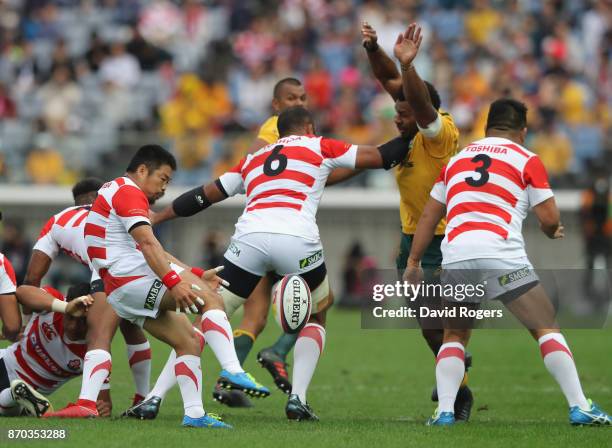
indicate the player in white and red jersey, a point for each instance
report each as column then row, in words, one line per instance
column 145, row 285
column 10, row 316
column 486, row 191
column 277, row 231
column 49, row 353
column 64, row 232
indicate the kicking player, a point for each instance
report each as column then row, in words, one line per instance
column 57, row 330
column 433, row 140
column 10, row 316
column 277, row 231
column 486, row 191
column 288, row 92
column 65, row 232
column 145, row 285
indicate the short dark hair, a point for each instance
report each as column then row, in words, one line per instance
column 86, row 186
column 153, row 157
column 507, row 114
column 279, row 85
column 434, row 96
column 293, row 119
column 77, row 290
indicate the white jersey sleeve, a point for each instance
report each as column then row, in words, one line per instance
column 8, row 283
column 438, row 192
column 232, row 181
column 338, row 154
column 46, row 243
column 536, row 180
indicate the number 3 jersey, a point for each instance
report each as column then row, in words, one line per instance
column 488, row 188
column 284, row 183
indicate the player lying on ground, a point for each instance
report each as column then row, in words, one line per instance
column 65, row 232
column 57, row 329
column 486, row 191
column 10, row 316
column 278, row 232
column 146, row 285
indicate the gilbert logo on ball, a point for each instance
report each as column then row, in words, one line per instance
column 292, row 303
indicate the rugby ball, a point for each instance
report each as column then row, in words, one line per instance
column 291, row 303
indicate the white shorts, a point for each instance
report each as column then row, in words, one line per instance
column 492, row 278
column 259, row 253
column 139, row 299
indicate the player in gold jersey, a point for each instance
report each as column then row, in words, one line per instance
column 434, row 139
column 288, row 92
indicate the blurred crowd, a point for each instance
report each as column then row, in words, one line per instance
column 84, row 82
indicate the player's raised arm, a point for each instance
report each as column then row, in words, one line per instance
column 415, row 91
column 383, row 67
column 38, row 299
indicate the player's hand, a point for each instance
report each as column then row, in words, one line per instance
column 78, row 307
column 559, row 233
column 186, row 298
column 213, row 280
column 413, row 273
column 407, row 44
column 105, row 408
column 369, row 39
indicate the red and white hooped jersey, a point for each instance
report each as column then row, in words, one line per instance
column 284, row 183
column 44, row 357
column 65, row 231
column 8, row 282
column 488, row 188
column 113, row 252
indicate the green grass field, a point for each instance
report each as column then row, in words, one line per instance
column 371, row 389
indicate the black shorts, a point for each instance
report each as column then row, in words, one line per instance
column 242, row 283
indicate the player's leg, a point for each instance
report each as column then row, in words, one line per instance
column 176, row 331
column 139, row 357
column 102, row 322
column 431, row 328
column 535, row 310
column 450, row 365
column 254, row 319
column 309, row 345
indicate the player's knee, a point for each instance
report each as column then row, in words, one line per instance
column 132, row 333
column 456, row 335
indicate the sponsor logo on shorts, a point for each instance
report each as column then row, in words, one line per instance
column 312, row 259
column 234, row 249
column 152, row 295
column 514, row 276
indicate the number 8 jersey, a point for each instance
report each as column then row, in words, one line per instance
column 488, row 188
column 284, row 183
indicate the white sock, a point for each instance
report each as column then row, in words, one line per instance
column 450, row 369
column 96, row 368
column 167, row 378
column 218, row 334
column 306, row 353
column 139, row 356
column 559, row 361
column 8, row 406
column 189, row 377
